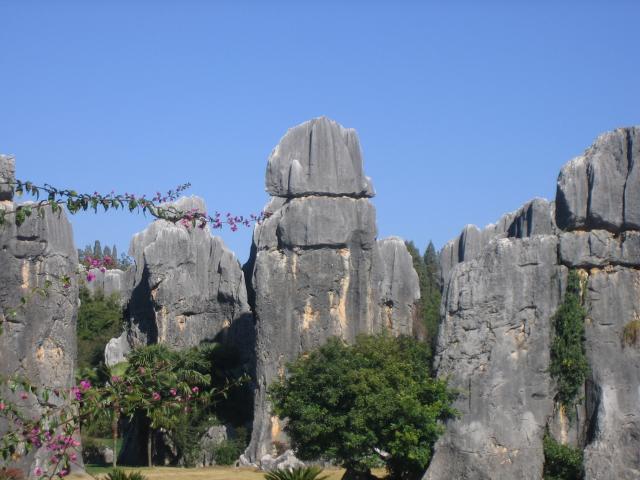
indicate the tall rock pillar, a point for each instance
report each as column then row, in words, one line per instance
column 39, row 342
column 316, row 269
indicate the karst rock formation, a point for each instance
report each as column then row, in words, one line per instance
column 503, row 285
column 39, row 341
column 316, row 269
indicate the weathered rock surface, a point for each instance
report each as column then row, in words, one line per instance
column 502, row 287
column 494, row 345
column 187, row 287
column 110, row 282
column 116, row 350
column 39, row 342
column 213, row 438
column 533, row 218
column 601, row 188
column 318, row 157
column 316, row 269
column 7, row 176
column 613, row 392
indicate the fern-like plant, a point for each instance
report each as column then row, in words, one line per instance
column 120, row 474
column 298, row 473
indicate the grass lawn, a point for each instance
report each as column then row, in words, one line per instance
column 211, row 473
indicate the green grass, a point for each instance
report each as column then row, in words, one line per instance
column 210, row 473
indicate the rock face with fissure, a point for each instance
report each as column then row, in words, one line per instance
column 502, row 287
column 316, row 269
column 186, row 287
column 114, row 282
column 39, row 341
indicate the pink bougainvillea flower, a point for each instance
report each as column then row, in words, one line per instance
column 155, row 396
column 77, row 393
column 195, row 389
column 85, row 385
column 91, row 277
column 2, row 406
column 173, row 392
column 24, row 395
column 38, row 472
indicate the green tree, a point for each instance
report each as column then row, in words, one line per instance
column 157, row 369
column 365, row 405
column 428, row 269
column 97, row 249
column 99, row 320
column 561, row 462
column 569, row 365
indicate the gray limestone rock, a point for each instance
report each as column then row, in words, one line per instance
column 7, row 177
column 187, row 287
column 316, row 270
column 601, row 188
column 400, row 288
column 39, row 342
column 116, row 350
column 613, row 391
column 318, row 157
column 494, row 346
column 110, row 282
column 595, row 248
column 212, row 439
column 533, row 218
column 515, row 282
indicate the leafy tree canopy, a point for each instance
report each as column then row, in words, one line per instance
column 362, row 405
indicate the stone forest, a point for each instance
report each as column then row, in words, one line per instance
column 531, row 370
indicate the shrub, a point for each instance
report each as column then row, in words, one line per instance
column 298, row 473
column 631, row 333
column 561, row 462
column 365, row 404
column 120, row 474
column 569, row 366
column 228, row 452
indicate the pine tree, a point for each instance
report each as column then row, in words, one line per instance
column 114, row 256
column 106, row 252
column 428, row 270
column 433, row 292
column 97, row 249
column 419, row 327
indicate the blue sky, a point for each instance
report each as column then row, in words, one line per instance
column 465, row 109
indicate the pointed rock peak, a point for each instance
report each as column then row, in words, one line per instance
column 318, row 157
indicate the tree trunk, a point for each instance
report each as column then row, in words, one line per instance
column 150, row 447
column 114, row 432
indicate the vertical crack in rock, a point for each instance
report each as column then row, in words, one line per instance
column 39, row 343
column 316, row 269
column 503, row 285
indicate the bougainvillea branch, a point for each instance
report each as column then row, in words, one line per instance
column 159, row 206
